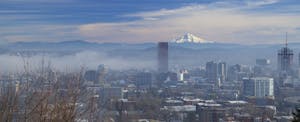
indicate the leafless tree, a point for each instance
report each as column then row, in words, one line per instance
column 44, row 97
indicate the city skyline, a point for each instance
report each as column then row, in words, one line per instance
column 150, row 60
column 255, row 22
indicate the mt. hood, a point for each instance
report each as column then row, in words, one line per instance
column 190, row 38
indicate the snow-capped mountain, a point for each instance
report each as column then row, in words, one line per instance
column 190, row 38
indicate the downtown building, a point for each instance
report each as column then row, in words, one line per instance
column 163, row 57
column 162, row 62
column 216, row 71
column 263, row 62
column 96, row 76
column 285, row 60
column 101, row 72
column 258, row 87
column 143, row 79
column 262, row 68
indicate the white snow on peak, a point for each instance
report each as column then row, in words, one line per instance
column 190, row 38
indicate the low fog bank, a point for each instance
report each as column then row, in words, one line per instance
column 72, row 62
column 146, row 58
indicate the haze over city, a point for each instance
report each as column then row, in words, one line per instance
column 150, row 60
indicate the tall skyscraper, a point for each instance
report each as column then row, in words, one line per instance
column 222, row 71
column 163, row 62
column 216, row 71
column 285, row 59
column 233, row 72
column 101, row 71
column 212, row 71
column 259, row 87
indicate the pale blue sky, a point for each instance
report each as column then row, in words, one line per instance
column 134, row 21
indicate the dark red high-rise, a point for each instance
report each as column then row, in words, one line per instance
column 163, row 57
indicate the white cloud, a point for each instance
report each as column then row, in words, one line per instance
column 256, row 3
column 216, row 23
